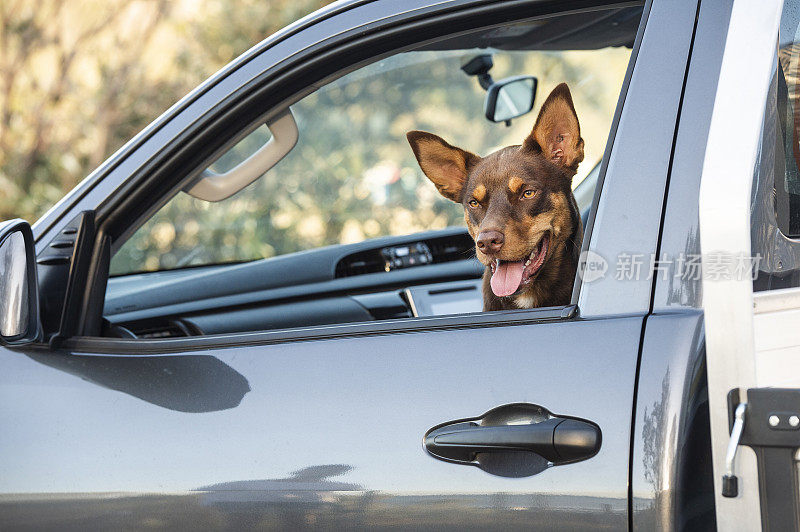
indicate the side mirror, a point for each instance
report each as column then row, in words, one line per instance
column 510, row 98
column 19, row 290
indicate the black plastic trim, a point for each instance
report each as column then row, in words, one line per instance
column 79, row 268
column 91, row 316
column 559, row 439
column 408, row 325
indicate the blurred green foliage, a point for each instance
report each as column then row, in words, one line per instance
column 78, row 79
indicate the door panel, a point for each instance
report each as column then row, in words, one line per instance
column 671, row 479
column 328, row 432
column 324, row 433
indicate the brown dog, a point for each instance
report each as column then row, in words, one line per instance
column 518, row 205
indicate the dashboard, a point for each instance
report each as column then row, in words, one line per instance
column 423, row 274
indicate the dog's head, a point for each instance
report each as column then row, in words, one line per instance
column 518, row 201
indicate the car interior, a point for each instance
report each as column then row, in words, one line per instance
column 322, row 216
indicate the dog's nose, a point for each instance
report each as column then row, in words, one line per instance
column 490, row 242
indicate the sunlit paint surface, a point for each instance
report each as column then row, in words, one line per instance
column 322, row 430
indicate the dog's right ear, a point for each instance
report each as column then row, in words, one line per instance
column 445, row 165
column 557, row 132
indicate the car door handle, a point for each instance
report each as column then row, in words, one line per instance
column 559, row 440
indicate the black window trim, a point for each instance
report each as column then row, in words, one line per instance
column 503, row 318
column 781, row 199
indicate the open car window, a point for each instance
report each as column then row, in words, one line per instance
column 347, row 227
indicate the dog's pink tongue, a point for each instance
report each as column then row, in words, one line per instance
column 506, row 278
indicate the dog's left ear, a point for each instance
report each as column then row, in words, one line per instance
column 557, row 133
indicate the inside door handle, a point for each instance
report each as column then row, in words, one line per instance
column 559, row 440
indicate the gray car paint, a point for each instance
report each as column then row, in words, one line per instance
column 115, row 431
column 670, row 489
column 680, row 235
column 671, row 377
column 355, row 408
column 639, row 162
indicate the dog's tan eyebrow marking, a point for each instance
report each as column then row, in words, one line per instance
column 479, row 193
column 514, row 184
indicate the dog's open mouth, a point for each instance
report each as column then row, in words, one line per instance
column 509, row 276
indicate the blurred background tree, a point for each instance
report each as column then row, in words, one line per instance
column 78, row 79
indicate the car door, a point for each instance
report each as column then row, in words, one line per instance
column 751, row 321
column 324, row 427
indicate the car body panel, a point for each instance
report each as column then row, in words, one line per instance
column 680, row 236
column 639, row 163
column 327, row 431
column 237, row 424
column 671, row 482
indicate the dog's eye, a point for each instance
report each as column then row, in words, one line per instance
column 473, row 203
column 528, row 194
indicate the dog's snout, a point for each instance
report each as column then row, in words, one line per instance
column 490, row 242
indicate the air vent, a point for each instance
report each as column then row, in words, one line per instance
column 156, row 329
column 443, row 249
column 450, row 248
column 60, row 250
column 360, row 263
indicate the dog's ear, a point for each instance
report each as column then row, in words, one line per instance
column 557, row 133
column 445, row 165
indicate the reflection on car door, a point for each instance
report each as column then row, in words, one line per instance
column 330, row 432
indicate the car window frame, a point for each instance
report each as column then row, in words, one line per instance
column 234, row 104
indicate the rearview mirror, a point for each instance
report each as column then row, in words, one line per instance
column 510, row 98
column 19, row 298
